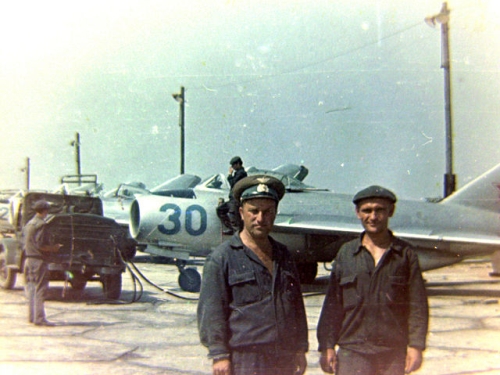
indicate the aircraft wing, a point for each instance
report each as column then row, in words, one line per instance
column 317, row 224
column 340, row 227
column 435, row 247
column 457, row 238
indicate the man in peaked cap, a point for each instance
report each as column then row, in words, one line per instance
column 35, row 269
column 375, row 309
column 259, row 186
column 251, row 315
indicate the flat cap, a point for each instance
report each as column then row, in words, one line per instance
column 235, row 159
column 374, row 191
column 41, row 205
column 258, row 186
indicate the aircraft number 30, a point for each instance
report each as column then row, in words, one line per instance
column 174, row 218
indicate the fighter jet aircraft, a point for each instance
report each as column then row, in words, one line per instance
column 314, row 223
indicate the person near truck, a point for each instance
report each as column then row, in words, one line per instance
column 376, row 308
column 251, row 314
column 35, row 267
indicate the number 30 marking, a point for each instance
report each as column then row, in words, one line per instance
column 174, row 218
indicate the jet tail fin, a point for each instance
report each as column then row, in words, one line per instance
column 482, row 193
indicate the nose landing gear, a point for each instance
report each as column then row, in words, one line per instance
column 189, row 278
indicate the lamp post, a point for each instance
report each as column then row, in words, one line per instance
column 180, row 99
column 443, row 18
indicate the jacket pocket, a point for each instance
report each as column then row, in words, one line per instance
column 350, row 296
column 244, row 288
column 398, row 290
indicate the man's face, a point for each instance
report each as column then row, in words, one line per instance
column 374, row 214
column 237, row 166
column 258, row 216
column 43, row 214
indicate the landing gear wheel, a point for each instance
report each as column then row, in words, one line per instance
column 112, row 285
column 190, row 280
column 7, row 275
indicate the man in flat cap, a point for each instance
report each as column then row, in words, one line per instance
column 251, row 314
column 35, row 269
column 228, row 211
column 375, row 310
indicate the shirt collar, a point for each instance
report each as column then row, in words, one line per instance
column 395, row 245
column 236, row 243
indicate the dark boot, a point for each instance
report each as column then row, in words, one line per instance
column 223, row 214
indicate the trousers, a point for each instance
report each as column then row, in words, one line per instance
column 37, row 282
column 229, row 214
column 386, row 363
column 263, row 363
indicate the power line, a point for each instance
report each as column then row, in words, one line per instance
column 302, row 67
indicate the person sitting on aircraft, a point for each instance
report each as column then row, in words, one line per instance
column 228, row 211
column 251, row 314
column 376, row 307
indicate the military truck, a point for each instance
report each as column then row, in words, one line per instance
column 95, row 248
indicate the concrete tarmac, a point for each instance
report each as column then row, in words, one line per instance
column 158, row 334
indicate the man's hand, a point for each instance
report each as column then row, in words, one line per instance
column 328, row 360
column 222, row 367
column 300, row 363
column 413, row 360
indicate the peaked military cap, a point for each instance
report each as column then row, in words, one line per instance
column 374, row 191
column 258, row 186
column 235, row 159
column 41, row 205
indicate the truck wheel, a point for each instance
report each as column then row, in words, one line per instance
column 112, row 285
column 190, row 280
column 7, row 275
column 78, row 282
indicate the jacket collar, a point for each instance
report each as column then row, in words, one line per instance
column 395, row 244
column 236, row 243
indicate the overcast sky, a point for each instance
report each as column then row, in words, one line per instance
column 352, row 89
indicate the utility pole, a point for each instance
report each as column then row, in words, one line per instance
column 180, row 99
column 443, row 18
column 76, row 145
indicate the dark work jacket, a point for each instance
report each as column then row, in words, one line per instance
column 372, row 309
column 33, row 237
column 243, row 307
